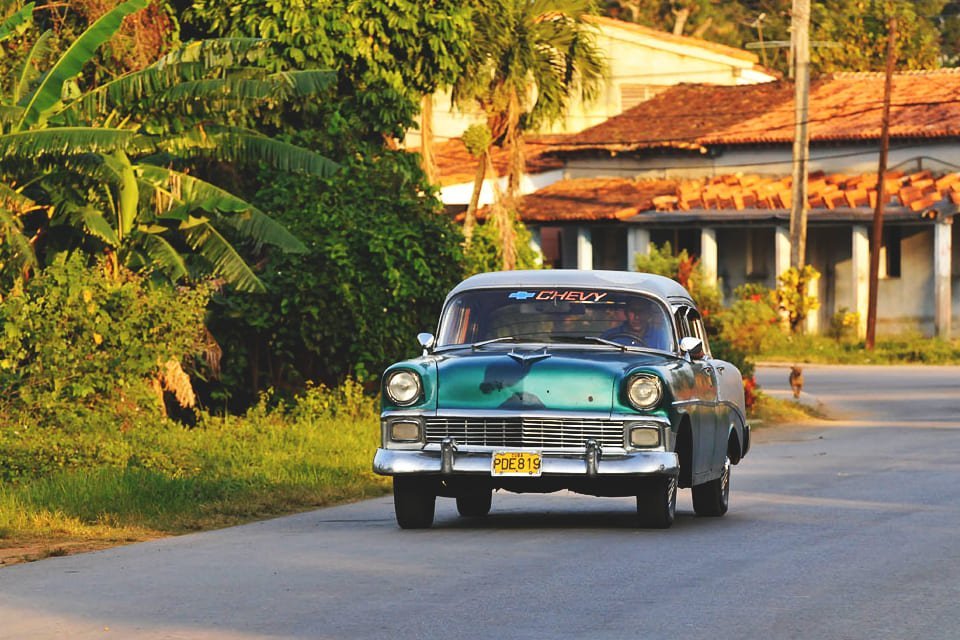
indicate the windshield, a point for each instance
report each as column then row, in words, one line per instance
column 556, row 315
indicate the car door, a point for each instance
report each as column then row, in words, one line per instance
column 704, row 416
column 716, row 442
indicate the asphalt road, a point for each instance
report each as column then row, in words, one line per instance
column 849, row 529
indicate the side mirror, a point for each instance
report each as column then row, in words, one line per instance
column 426, row 341
column 692, row 346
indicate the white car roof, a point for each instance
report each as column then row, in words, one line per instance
column 659, row 286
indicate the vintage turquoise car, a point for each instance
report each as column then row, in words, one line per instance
column 597, row 382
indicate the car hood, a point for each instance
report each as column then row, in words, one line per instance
column 537, row 378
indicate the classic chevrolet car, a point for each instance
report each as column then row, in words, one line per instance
column 597, row 382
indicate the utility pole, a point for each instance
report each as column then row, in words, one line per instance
column 800, row 30
column 876, row 237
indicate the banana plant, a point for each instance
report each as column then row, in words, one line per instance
column 108, row 167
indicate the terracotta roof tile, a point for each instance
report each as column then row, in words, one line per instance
column 596, row 199
column 456, row 165
column 843, row 106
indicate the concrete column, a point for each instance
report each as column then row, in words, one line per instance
column 584, row 249
column 860, row 267
column 708, row 254
column 638, row 242
column 942, row 303
column 781, row 251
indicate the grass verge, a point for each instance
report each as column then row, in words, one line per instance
column 104, row 487
column 907, row 349
column 769, row 411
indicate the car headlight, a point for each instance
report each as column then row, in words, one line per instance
column 403, row 387
column 644, row 391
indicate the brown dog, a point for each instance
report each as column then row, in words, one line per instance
column 796, row 380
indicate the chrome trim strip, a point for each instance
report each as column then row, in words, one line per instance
column 391, row 462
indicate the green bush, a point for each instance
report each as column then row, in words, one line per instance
column 381, row 258
column 76, row 337
column 750, row 323
column 485, row 253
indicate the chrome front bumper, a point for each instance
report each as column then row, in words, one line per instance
column 449, row 460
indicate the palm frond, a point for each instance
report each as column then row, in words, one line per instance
column 207, row 242
column 237, row 145
column 185, row 192
column 127, row 90
column 87, row 218
column 21, row 17
column 28, row 146
column 28, row 73
column 11, row 232
column 47, row 94
column 217, row 52
column 163, row 256
column 308, row 82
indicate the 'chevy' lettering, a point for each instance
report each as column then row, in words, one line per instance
column 571, row 296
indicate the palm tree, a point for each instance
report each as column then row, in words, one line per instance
column 105, row 170
column 530, row 58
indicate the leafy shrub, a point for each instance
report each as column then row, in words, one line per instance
column 687, row 271
column 792, row 295
column 76, row 337
column 750, row 323
column 381, row 258
column 485, row 252
column 843, row 325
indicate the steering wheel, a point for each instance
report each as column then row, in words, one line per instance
column 627, row 338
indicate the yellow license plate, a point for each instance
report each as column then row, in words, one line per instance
column 516, row 463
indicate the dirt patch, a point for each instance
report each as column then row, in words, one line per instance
column 31, row 552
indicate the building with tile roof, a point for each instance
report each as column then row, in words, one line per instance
column 707, row 168
column 703, row 129
column 641, row 62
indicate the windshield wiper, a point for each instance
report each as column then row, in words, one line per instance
column 477, row 345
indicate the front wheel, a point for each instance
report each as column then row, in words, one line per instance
column 414, row 502
column 657, row 503
column 712, row 499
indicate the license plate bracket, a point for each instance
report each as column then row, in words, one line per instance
column 516, row 463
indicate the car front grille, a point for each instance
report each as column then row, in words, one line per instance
column 546, row 433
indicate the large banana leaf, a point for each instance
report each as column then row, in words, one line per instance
column 187, row 85
column 47, row 94
column 12, row 205
column 237, row 145
column 218, row 52
column 11, row 232
column 88, row 218
column 162, row 255
column 207, row 242
column 21, row 17
column 28, row 72
column 193, row 193
column 27, row 146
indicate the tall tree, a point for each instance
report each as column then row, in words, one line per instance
column 105, row 169
column 387, row 53
column 529, row 59
column 851, row 34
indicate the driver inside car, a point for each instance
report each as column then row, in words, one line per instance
column 642, row 326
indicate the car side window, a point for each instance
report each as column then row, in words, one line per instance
column 682, row 325
column 698, row 330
